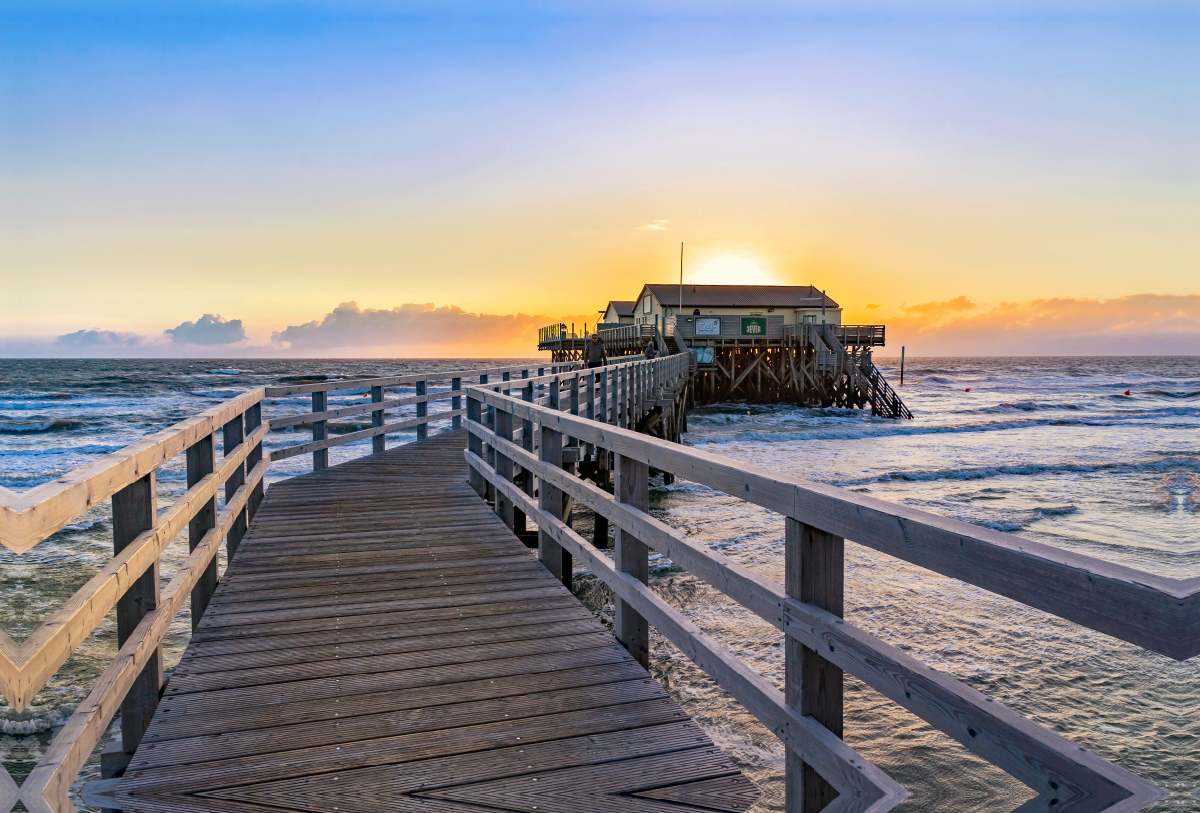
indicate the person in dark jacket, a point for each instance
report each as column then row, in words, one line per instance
column 594, row 354
column 651, row 350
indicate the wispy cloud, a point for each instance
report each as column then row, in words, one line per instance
column 1140, row 324
column 654, row 225
column 959, row 303
column 208, row 330
column 411, row 324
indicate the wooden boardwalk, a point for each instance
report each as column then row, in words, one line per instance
column 382, row 642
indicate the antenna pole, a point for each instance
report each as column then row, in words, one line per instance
column 680, row 280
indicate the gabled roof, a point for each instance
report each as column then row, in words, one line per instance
column 622, row 307
column 740, row 296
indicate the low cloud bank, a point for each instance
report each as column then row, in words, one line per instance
column 1141, row 324
column 208, row 330
column 98, row 339
column 410, row 324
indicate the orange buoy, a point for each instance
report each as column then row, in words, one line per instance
column 1126, row 392
column 968, row 389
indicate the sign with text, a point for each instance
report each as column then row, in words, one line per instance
column 754, row 326
column 708, row 325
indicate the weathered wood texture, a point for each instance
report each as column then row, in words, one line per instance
column 384, row 642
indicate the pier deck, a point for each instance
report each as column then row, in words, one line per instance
column 382, row 641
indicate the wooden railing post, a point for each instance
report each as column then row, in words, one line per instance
column 550, row 500
column 422, row 410
column 200, row 464
column 456, row 402
column 603, row 396
column 475, row 443
column 632, row 487
column 504, row 468
column 255, row 456
column 134, row 510
column 320, row 456
column 234, row 433
column 813, row 573
column 527, row 445
column 485, row 418
column 377, row 441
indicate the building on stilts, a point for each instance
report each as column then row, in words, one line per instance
column 754, row 343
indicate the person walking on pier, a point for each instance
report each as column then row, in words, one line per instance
column 651, row 349
column 594, row 354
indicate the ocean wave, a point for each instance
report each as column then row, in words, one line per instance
column 302, row 379
column 220, row 395
column 34, row 427
column 1162, row 464
column 35, row 396
column 1026, row 406
column 57, row 451
column 1183, row 396
column 36, row 725
column 226, row 371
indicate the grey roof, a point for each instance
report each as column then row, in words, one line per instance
column 623, row 307
column 740, row 296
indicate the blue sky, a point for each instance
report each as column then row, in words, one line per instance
column 268, row 161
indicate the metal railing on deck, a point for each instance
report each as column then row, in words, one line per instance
column 1154, row 612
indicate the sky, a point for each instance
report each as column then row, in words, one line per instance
column 439, row 180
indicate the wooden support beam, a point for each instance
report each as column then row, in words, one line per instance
column 320, row 401
column 233, row 433
column 475, row 444
column 632, row 486
column 550, row 499
column 422, row 411
column 813, row 573
column 377, row 442
column 456, row 401
column 504, row 468
column 527, row 444
column 135, row 510
column 200, row 460
column 253, row 421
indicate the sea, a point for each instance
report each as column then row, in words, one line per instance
column 1095, row 455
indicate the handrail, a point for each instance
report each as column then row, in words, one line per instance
column 317, row 419
column 129, row 582
column 1152, row 611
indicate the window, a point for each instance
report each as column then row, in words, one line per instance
column 646, row 306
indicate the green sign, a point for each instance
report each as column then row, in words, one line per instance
column 754, row 326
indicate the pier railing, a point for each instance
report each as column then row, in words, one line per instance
column 1157, row 613
column 132, row 681
column 443, row 388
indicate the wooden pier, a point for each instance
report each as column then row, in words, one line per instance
column 382, row 639
column 809, row 363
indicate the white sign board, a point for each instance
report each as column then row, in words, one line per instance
column 708, row 325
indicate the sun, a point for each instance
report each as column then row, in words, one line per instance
column 730, row 271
